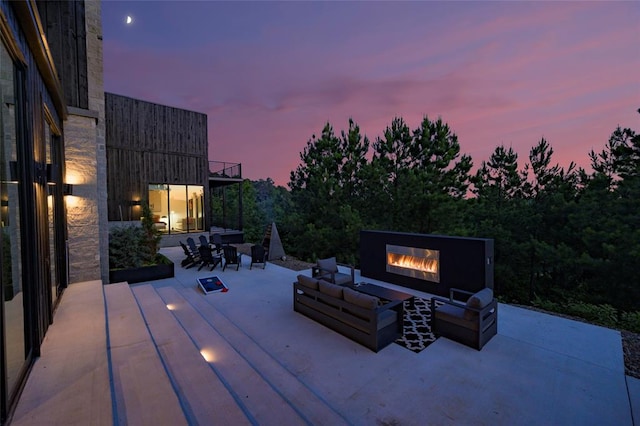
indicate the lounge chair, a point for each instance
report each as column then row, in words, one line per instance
column 189, row 260
column 327, row 269
column 258, row 255
column 231, row 257
column 208, row 258
column 216, row 240
column 472, row 321
column 193, row 248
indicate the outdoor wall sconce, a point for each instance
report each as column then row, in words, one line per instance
column 52, row 172
column 13, row 171
column 67, row 189
column 136, row 203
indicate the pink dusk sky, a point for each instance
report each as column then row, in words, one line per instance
column 269, row 75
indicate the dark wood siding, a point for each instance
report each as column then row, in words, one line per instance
column 35, row 89
column 64, row 25
column 151, row 143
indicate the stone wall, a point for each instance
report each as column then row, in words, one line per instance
column 86, row 166
column 85, row 260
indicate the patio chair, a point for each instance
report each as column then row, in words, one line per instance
column 231, row 257
column 189, row 260
column 258, row 255
column 203, row 241
column 216, row 240
column 193, row 248
column 208, row 258
column 472, row 322
column 327, row 269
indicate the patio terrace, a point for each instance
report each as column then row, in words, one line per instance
column 117, row 355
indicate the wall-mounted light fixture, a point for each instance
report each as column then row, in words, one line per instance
column 13, row 171
column 136, row 203
column 52, row 172
column 67, row 189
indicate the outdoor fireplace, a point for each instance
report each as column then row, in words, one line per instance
column 429, row 263
column 420, row 263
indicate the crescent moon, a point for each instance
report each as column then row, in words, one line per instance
column 129, row 20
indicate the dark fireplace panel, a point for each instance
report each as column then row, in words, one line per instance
column 429, row 263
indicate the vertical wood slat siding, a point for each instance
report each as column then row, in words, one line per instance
column 150, row 143
column 63, row 23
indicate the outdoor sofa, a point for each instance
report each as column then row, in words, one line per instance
column 363, row 318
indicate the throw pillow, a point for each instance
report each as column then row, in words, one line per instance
column 309, row 282
column 360, row 299
column 330, row 289
column 328, row 265
column 480, row 299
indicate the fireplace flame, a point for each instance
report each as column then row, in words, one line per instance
column 411, row 262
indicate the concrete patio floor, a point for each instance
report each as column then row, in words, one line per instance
column 539, row 370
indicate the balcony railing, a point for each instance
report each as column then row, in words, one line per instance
column 225, row 170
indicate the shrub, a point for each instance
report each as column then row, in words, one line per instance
column 152, row 235
column 604, row 315
column 127, row 248
column 630, row 321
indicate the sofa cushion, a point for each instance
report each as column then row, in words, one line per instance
column 308, row 282
column 455, row 315
column 342, row 279
column 330, row 289
column 360, row 299
column 480, row 299
column 328, row 265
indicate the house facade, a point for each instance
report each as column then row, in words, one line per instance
column 52, row 171
column 157, row 154
column 75, row 161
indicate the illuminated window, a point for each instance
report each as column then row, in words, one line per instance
column 177, row 208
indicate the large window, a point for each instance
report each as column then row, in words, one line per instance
column 14, row 346
column 177, row 208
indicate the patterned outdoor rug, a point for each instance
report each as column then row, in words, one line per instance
column 417, row 326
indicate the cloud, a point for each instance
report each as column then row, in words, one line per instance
column 497, row 72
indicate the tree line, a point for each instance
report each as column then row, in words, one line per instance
column 562, row 235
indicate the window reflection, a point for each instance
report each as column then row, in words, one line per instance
column 14, row 348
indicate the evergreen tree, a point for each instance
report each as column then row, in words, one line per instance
column 325, row 222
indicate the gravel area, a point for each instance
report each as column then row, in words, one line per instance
column 630, row 341
column 631, row 348
column 290, row 262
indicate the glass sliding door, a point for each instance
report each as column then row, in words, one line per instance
column 54, row 189
column 159, row 206
column 177, row 208
column 15, row 348
column 195, row 207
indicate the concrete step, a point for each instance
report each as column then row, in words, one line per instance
column 205, row 396
column 263, row 403
column 143, row 393
column 276, row 396
column 69, row 383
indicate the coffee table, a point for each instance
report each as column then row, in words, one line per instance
column 384, row 293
